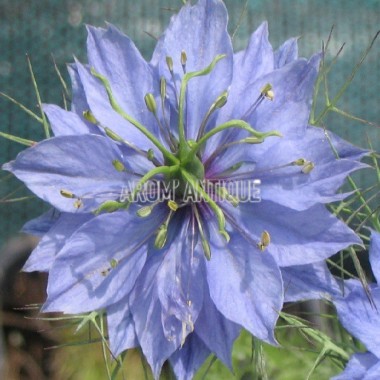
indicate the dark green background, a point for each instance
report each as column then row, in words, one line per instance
column 42, row 28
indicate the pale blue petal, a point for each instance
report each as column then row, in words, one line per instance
column 42, row 224
column 361, row 318
column 358, row 366
column 245, row 284
column 42, row 257
column 200, row 31
column 311, row 281
column 121, row 329
column 66, row 123
column 297, row 237
column 100, row 262
column 187, row 359
column 286, row 53
column 374, row 254
column 115, row 56
column 79, row 164
column 216, row 331
column 100, row 107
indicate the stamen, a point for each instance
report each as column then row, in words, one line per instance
column 67, row 194
column 264, row 241
column 172, row 140
column 265, row 92
column 173, row 205
column 162, row 232
column 169, row 63
column 204, row 240
column 145, row 211
column 89, row 117
column 308, row 167
column 118, row 165
column 183, row 60
column 219, row 103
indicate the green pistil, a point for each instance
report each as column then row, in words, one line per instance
column 241, row 124
column 185, row 80
column 116, row 107
column 194, row 183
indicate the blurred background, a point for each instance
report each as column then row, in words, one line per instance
column 53, row 30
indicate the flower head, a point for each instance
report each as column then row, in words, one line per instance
column 183, row 259
column 361, row 318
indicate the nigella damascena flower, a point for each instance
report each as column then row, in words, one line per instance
column 361, row 318
column 181, row 260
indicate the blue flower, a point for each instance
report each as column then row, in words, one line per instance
column 362, row 319
column 179, row 278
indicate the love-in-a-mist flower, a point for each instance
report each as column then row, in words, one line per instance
column 182, row 186
column 362, row 319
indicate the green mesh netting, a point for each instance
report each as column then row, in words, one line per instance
column 56, row 27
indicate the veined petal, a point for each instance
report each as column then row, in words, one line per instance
column 103, row 112
column 121, row 329
column 245, row 284
column 216, row 331
column 66, row 123
column 42, row 257
column 200, row 31
column 286, row 53
column 100, row 262
column 187, row 359
column 81, row 165
column 297, row 237
column 115, row 56
column 311, row 281
column 180, row 284
column 360, row 318
column 374, row 254
column 168, row 295
column 358, row 366
column 42, row 224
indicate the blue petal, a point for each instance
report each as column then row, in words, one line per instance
column 121, row 329
column 311, row 281
column 200, row 31
column 288, row 113
column 100, row 262
column 374, row 254
column 217, row 332
column 358, row 367
column 360, row 318
column 79, row 102
column 147, row 313
column 79, row 164
column 100, row 107
column 187, row 360
column 115, row 56
column 287, row 53
column 65, row 123
column 42, row 224
column 297, row 237
column 168, row 294
column 42, row 257
column 245, row 285
column 180, row 282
